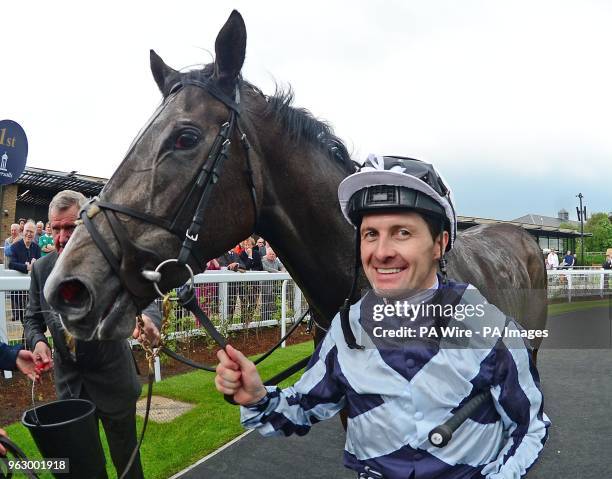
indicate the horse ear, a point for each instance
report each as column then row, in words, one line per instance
column 160, row 71
column 230, row 48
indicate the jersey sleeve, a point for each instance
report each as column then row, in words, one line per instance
column 318, row 395
column 518, row 399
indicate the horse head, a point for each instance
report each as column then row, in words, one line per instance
column 192, row 186
column 154, row 181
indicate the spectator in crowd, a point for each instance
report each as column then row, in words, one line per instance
column 607, row 264
column 568, row 260
column 231, row 260
column 8, row 242
column 250, row 255
column 22, row 222
column 46, row 241
column 15, row 236
column 552, row 259
column 271, row 263
column 40, row 230
column 271, row 289
column 100, row 371
column 250, row 291
column 261, row 245
column 24, row 253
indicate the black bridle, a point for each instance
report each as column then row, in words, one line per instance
column 134, row 258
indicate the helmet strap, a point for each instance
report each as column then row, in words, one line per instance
column 349, row 336
column 442, row 260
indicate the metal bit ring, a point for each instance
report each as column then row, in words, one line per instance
column 162, row 264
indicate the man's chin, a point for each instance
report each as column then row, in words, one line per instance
column 393, row 293
column 397, row 292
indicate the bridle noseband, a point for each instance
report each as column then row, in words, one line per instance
column 134, row 258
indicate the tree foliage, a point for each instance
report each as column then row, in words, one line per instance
column 600, row 227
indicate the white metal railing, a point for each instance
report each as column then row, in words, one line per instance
column 590, row 267
column 570, row 283
column 236, row 301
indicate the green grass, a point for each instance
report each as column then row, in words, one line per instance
column 170, row 447
column 560, row 308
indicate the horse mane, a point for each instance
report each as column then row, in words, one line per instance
column 301, row 125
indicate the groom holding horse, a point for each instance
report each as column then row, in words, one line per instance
column 103, row 372
column 396, row 387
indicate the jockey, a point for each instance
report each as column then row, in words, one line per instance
column 388, row 359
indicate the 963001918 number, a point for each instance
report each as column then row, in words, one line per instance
column 42, row 465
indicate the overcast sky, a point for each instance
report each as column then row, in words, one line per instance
column 511, row 100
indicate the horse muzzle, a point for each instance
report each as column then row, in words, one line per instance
column 73, row 299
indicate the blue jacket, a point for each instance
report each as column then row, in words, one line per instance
column 20, row 255
column 8, row 356
column 397, row 390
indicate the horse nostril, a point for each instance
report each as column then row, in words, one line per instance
column 73, row 292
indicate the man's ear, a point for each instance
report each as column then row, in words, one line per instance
column 440, row 244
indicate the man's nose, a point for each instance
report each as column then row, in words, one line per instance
column 384, row 249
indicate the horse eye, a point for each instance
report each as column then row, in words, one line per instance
column 186, row 140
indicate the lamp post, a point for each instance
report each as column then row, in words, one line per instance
column 581, row 216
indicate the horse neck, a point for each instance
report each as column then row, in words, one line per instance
column 301, row 219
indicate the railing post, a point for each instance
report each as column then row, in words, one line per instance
column 569, row 288
column 284, row 310
column 601, row 282
column 157, row 368
column 297, row 302
column 3, row 328
column 223, row 301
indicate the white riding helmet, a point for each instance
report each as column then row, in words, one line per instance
column 395, row 183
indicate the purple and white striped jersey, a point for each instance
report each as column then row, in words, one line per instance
column 397, row 391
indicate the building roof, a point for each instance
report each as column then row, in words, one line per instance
column 541, row 220
column 535, row 229
column 40, row 185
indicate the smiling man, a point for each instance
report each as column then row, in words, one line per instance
column 100, row 371
column 397, row 251
column 25, row 251
column 397, row 390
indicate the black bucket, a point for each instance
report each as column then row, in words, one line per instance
column 68, row 429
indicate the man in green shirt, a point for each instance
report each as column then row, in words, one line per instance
column 46, row 241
